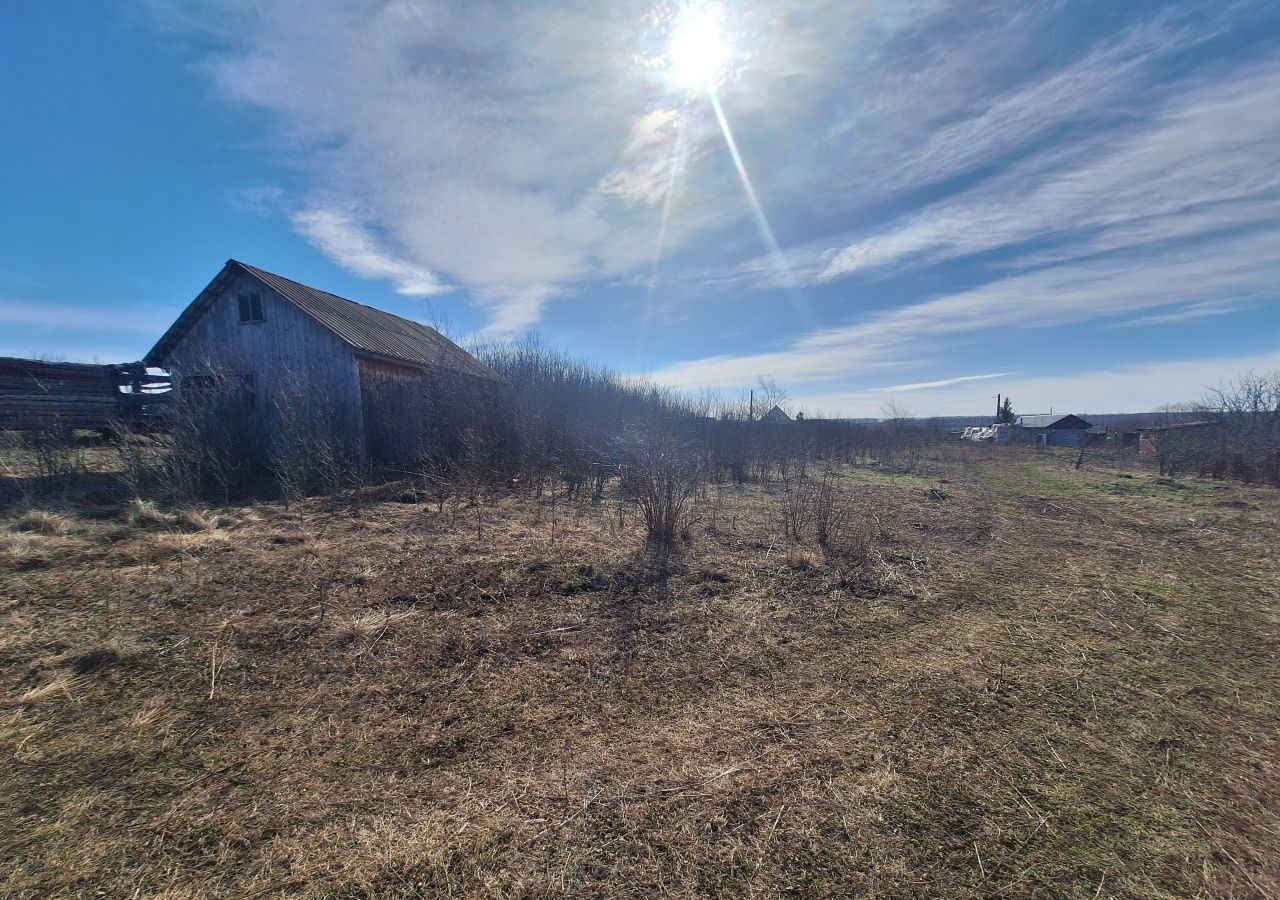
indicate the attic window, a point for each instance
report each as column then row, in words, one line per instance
column 250, row 308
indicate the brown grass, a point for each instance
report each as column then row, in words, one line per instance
column 1052, row 683
column 40, row 521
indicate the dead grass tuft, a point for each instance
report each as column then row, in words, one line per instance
column 361, row 627
column 41, row 521
column 58, row 688
column 147, row 514
column 24, row 551
column 177, row 543
column 155, row 720
column 16, row 730
column 191, row 519
column 801, row 559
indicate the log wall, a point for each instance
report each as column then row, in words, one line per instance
column 46, row 396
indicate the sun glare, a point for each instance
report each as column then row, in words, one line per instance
column 698, row 53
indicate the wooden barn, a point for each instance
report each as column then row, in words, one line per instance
column 288, row 362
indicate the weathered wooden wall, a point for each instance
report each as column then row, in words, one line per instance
column 398, row 405
column 37, row 395
column 1065, row 437
column 303, row 374
column 412, row 416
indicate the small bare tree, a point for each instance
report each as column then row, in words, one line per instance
column 896, row 413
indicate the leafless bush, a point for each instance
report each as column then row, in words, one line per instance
column 556, row 415
column 662, row 474
column 41, row 464
column 14, row 480
column 794, row 506
column 832, row 508
column 216, row 444
column 54, row 456
column 821, row 510
column 1237, row 435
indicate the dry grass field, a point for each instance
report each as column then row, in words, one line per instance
column 1037, row 682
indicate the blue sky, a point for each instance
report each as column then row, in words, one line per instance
column 1074, row 203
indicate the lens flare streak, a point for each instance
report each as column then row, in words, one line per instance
column 762, row 223
column 676, row 166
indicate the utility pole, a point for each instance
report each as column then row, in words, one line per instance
column 997, row 407
column 751, row 407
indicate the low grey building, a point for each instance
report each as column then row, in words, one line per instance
column 1054, row 430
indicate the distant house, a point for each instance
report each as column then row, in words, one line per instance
column 775, row 416
column 286, row 359
column 1054, row 430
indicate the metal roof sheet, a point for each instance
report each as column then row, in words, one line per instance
column 1048, row 420
column 365, row 328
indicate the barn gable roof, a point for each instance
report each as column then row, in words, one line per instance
column 368, row 330
column 1049, row 420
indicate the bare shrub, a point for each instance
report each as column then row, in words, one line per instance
column 1247, row 412
column 40, row 463
column 552, row 420
column 1236, row 435
column 662, row 474
column 824, row 511
column 213, row 438
column 289, row 453
column 832, row 508
column 560, row 418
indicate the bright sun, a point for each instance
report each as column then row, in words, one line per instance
column 697, row 53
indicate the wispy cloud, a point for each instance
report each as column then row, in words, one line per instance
column 1225, row 269
column 78, row 333
column 1191, row 312
column 352, row 247
column 994, row 166
column 945, row 382
column 1172, row 206
column 967, row 112
column 1210, row 159
column 518, row 152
